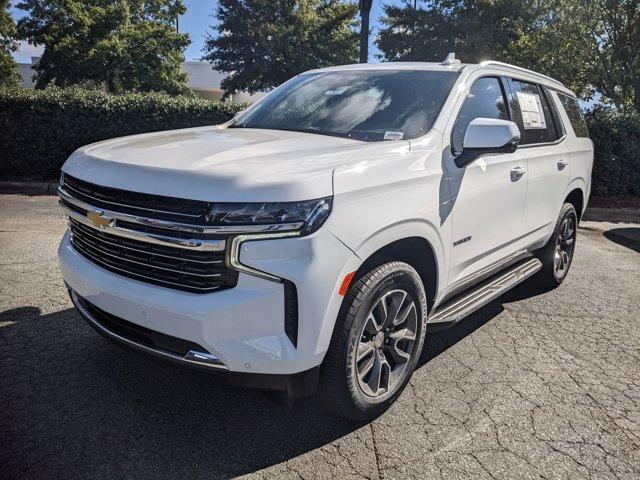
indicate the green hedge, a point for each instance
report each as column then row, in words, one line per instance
column 616, row 139
column 39, row 129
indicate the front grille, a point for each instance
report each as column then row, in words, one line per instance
column 135, row 203
column 177, row 268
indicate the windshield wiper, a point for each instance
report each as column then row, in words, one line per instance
column 320, row 131
column 351, row 134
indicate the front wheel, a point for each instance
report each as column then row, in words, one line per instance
column 556, row 256
column 376, row 342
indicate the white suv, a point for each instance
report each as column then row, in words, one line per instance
column 308, row 243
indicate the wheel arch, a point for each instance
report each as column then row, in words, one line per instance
column 416, row 243
column 576, row 197
column 417, row 252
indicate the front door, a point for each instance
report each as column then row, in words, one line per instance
column 488, row 195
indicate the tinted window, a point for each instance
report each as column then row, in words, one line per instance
column 557, row 123
column 551, row 116
column 534, row 121
column 364, row 105
column 575, row 115
column 484, row 100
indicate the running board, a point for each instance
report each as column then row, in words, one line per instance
column 454, row 311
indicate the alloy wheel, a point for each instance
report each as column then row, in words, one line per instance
column 386, row 343
column 565, row 243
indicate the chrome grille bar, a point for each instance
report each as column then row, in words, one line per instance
column 101, row 251
column 90, row 233
column 180, row 256
column 178, row 227
column 191, row 244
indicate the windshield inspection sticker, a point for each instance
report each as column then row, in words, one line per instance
column 531, row 107
column 337, row 91
column 390, row 135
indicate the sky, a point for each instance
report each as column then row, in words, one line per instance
column 197, row 22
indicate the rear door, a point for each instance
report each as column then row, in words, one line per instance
column 578, row 142
column 543, row 142
column 488, row 195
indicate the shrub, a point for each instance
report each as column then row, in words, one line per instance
column 39, row 129
column 616, row 165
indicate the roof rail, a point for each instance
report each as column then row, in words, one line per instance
column 520, row 69
column 450, row 59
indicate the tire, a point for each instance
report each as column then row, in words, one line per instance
column 557, row 255
column 389, row 345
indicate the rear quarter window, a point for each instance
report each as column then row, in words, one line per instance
column 574, row 113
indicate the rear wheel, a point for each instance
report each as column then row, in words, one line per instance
column 556, row 256
column 376, row 342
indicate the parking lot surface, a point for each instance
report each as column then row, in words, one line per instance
column 534, row 385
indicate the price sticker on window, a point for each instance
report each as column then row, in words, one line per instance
column 531, row 108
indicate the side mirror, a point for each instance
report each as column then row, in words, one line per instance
column 488, row 135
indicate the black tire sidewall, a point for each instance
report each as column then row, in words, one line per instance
column 547, row 276
column 569, row 212
column 400, row 276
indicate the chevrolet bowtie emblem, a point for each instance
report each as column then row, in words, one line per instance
column 98, row 219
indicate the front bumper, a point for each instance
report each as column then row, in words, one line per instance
column 294, row 385
column 242, row 327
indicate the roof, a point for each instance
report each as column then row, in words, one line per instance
column 455, row 66
column 393, row 66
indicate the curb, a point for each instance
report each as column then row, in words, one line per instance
column 29, row 188
column 625, row 215
column 593, row 214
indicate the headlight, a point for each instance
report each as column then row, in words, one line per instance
column 307, row 216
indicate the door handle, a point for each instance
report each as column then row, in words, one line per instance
column 561, row 164
column 517, row 172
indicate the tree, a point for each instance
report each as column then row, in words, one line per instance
column 8, row 72
column 262, row 43
column 475, row 30
column 558, row 43
column 123, row 45
column 592, row 46
column 617, row 38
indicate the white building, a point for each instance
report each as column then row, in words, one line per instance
column 201, row 78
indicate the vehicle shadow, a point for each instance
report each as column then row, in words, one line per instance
column 75, row 405
column 628, row 237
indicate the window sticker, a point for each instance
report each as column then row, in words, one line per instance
column 390, row 135
column 337, row 91
column 532, row 113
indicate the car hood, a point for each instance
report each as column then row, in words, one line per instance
column 222, row 164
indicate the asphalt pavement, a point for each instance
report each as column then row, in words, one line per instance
column 534, row 385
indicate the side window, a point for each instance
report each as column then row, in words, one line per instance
column 534, row 122
column 555, row 116
column 575, row 115
column 484, row 100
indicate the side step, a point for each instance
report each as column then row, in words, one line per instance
column 452, row 312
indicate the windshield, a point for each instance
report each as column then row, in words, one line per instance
column 363, row 105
